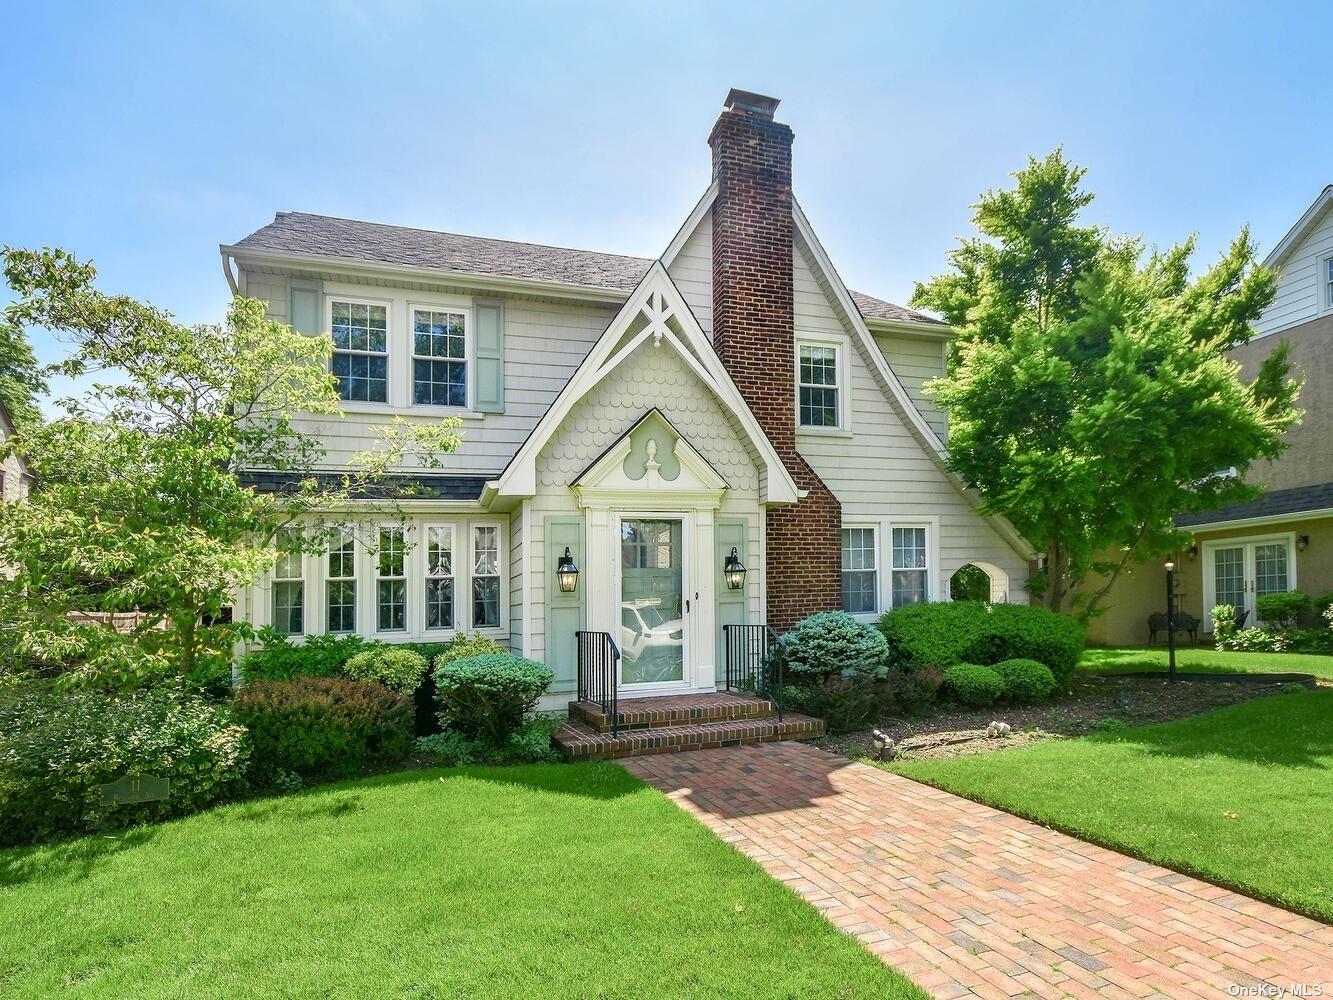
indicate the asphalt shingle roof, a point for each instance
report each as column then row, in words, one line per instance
column 326, row 236
column 1275, row 503
column 403, row 486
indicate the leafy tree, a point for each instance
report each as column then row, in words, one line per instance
column 1090, row 393
column 139, row 506
column 21, row 377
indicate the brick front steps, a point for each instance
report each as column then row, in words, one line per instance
column 676, row 723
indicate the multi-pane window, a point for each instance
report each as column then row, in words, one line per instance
column 647, row 544
column 860, row 573
column 1229, row 576
column 340, row 581
column 289, row 586
column 361, row 351
column 1328, row 283
column 817, row 386
column 439, row 352
column 910, row 585
column 485, row 576
column 1270, row 568
column 440, row 576
column 391, row 580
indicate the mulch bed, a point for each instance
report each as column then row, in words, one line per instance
column 1133, row 700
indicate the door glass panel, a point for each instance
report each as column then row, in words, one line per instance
column 1229, row 576
column 1270, row 568
column 652, row 626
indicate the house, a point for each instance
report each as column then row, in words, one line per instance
column 657, row 422
column 1283, row 541
column 15, row 479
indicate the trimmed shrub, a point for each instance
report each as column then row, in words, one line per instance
column 1025, row 680
column 464, row 647
column 57, row 750
column 323, row 726
column 973, row 684
column 529, row 744
column 915, row 689
column 844, row 703
column 395, row 667
column 1283, row 610
column 487, row 697
column 829, row 643
column 280, row 659
column 944, row 633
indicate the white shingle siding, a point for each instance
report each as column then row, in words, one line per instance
column 915, row 360
column 692, row 271
column 1301, row 291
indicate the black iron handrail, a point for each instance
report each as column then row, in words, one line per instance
column 752, row 664
column 599, row 657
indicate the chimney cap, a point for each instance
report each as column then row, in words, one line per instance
column 750, row 103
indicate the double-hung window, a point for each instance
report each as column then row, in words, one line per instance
column 440, row 576
column 1328, row 282
column 361, row 350
column 340, row 581
column 391, row 580
column 860, row 571
column 818, row 385
column 289, row 586
column 439, row 357
column 485, row 576
column 910, row 574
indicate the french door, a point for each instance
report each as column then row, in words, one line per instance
column 1238, row 572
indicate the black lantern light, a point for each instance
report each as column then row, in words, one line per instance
column 733, row 571
column 567, row 573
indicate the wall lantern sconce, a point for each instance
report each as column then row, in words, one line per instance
column 1302, row 542
column 567, row 573
column 733, row 571
column 1193, row 552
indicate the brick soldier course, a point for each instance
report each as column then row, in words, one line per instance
column 970, row 901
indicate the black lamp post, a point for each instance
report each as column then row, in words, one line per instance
column 567, row 573
column 1171, row 619
column 733, row 571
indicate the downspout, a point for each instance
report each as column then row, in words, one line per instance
column 231, row 278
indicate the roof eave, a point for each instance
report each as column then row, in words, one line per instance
column 1300, row 229
column 931, row 331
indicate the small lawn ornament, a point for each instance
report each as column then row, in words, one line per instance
column 998, row 730
column 883, row 745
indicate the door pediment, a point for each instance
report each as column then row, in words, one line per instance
column 651, row 466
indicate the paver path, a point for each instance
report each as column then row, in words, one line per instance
column 971, row 901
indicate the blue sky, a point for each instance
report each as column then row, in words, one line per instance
column 142, row 135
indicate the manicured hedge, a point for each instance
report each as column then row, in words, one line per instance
column 58, row 749
column 973, row 684
column 1025, row 680
column 488, row 697
column 944, row 633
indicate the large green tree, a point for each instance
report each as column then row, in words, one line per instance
column 1090, row 393
column 139, row 505
column 22, row 380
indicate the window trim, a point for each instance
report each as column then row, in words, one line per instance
column 1324, row 279
column 936, row 590
column 875, row 528
column 841, row 347
column 303, row 579
column 426, row 576
column 404, row 528
column 930, row 571
column 469, row 355
column 353, row 405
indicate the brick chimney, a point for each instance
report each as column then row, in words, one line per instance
column 754, row 333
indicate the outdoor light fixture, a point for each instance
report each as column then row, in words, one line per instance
column 1194, row 552
column 568, row 573
column 1302, row 542
column 1170, row 565
column 733, row 571
column 1171, row 620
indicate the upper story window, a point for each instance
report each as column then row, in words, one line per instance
column 360, row 350
column 1328, row 283
column 819, row 385
column 439, row 357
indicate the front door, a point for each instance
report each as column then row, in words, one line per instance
column 654, row 601
column 1241, row 573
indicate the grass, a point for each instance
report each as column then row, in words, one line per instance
column 478, row 882
column 1201, row 659
column 1239, row 796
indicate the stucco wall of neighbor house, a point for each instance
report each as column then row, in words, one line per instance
column 544, row 342
column 650, row 377
column 1308, row 459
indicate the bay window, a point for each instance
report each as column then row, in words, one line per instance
column 440, row 576
column 391, row 580
column 340, row 581
column 485, row 576
column 289, row 586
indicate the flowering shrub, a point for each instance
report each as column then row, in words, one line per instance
column 57, row 750
column 1255, row 640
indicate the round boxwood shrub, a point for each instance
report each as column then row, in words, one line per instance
column 488, row 697
column 973, row 684
column 944, row 633
column 829, row 643
column 464, row 647
column 1025, row 680
column 395, row 667
column 58, row 749
column 325, row 726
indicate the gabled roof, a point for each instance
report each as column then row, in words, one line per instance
column 305, row 235
column 1303, row 226
column 1289, row 504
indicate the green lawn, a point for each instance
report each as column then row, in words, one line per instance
column 1239, row 796
column 1202, row 659
column 550, row 881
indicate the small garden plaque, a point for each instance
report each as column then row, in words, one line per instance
column 135, row 788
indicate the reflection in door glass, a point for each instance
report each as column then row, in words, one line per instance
column 1229, row 576
column 652, row 627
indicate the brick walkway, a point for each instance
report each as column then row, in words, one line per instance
column 970, row 901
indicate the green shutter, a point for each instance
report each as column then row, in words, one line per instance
column 305, row 305
column 490, row 356
column 731, row 605
column 564, row 612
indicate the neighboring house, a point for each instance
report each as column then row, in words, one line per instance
column 650, row 416
column 1283, row 541
column 14, row 476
